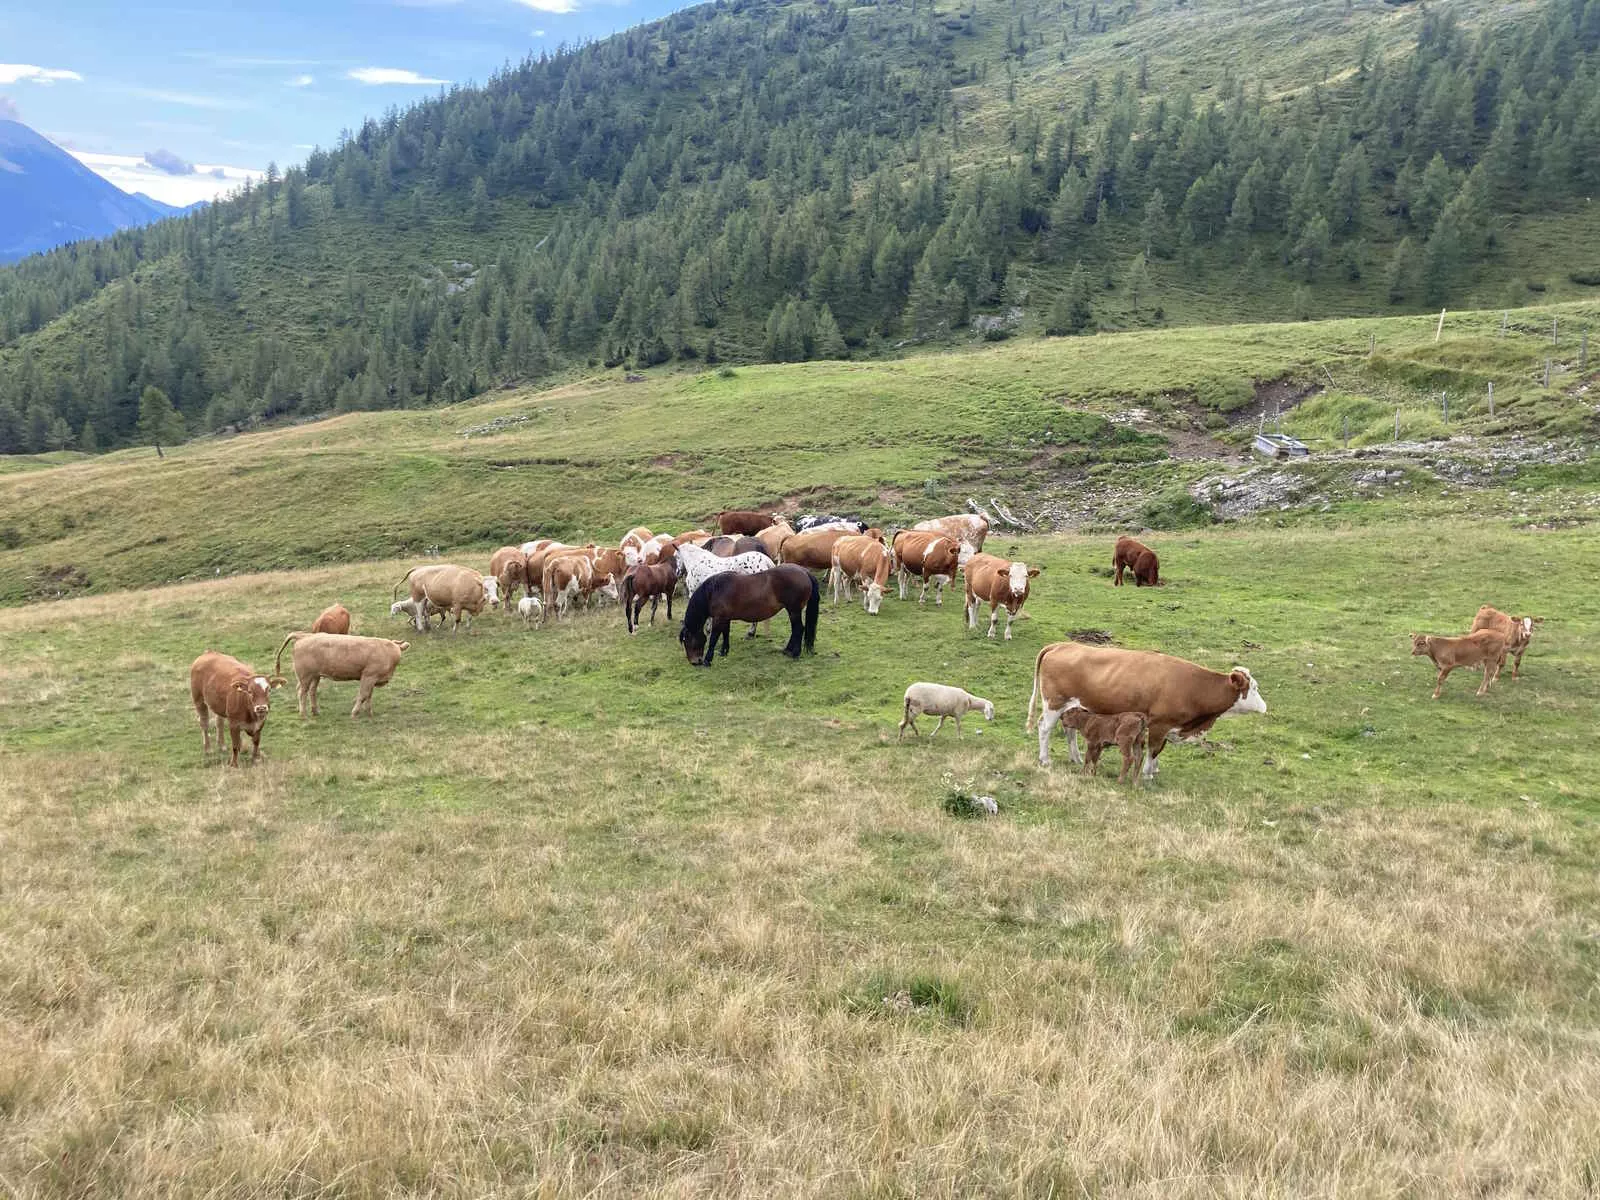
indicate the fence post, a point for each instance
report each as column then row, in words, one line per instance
column 1505, row 318
column 1440, row 329
column 1491, row 397
column 1397, row 425
column 1555, row 337
column 1347, row 433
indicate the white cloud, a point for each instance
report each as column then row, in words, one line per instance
column 18, row 72
column 383, row 75
column 538, row 33
column 302, row 81
column 135, row 175
column 550, row 6
column 186, row 99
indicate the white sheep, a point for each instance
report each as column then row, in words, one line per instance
column 942, row 701
column 529, row 609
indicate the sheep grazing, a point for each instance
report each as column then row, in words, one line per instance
column 529, row 609
column 942, row 701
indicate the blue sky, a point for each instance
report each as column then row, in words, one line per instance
column 233, row 87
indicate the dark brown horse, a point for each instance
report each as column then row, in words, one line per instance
column 727, row 547
column 726, row 598
column 648, row 581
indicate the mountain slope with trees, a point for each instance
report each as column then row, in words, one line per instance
column 777, row 181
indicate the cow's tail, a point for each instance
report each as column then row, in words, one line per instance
column 813, row 605
column 394, row 592
column 277, row 663
column 1038, row 688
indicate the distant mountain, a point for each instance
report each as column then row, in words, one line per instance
column 47, row 197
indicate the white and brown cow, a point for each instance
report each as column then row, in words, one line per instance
column 966, row 530
column 930, row 557
column 864, row 560
column 632, row 545
column 1183, row 700
column 581, row 574
column 1000, row 583
column 509, row 566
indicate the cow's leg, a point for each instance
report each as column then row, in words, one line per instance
column 1010, row 617
column 936, row 729
column 901, row 576
column 1491, row 672
column 1047, row 722
column 1157, row 743
column 419, row 616
column 233, row 737
column 1117, row 582
column 255, row 742
column 300, row 692
column 1074, row 754
column 1444, row 673
column 364, row 696
column 1516, row 667
column 994, row 615
column 316, row 683
column 939, row 583
column 1091, row 760
column 204, row 714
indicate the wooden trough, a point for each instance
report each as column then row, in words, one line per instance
column 1280, row 445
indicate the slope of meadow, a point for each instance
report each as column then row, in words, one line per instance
column 892, row 440
column 570, row 917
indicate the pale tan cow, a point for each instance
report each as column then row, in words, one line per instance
column 966, row 530
column 450, row 589
column 773, row 537
column 509, row 566
column 1517, row 631
column 318, row 656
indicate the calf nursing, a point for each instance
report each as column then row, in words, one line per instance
column 1129, row 732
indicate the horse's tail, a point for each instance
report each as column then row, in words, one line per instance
column 627, row 600
column 1038, row 689
column 812, row 607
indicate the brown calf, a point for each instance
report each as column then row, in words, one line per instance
column 334, row 619
column 1131, row 555
column 1129, row 732
column 1485, row 649
column 1518, row 632
column 221, row 684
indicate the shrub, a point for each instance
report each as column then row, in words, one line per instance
column 1175, row 508
column 1586, row 278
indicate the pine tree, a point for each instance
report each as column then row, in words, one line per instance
column 479, row 213
column 1400, row 276
column 1072, row 311
column 159, row 422
column 829, row 342
column 87, row 442
column 1154, row 230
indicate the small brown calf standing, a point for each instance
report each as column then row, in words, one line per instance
column 1131, row 555
column 1485, row 649
column 1129, row 732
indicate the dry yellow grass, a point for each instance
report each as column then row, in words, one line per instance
column 528, row 948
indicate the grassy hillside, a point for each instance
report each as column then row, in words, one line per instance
column 892, row 440
column 899, row 171
column 569, row 917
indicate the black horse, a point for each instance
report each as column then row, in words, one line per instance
column 726, row 598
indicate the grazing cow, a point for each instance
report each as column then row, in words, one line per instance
column 1129, row 732
column 1001, row 583
column 813, row 548
column 221, row 684
column 1518, row 632
column 658, row 549
column 866, row 560
column 724, row 546
column 647, row 581
column 633, row 543
column 745, row 521
column 535, row 546
column 333, row 619
column 319, row 656
column 1181, row 699
column 773, row 537
column 931, row 557
column 966, row 530
column 942, row 701
column 509, row 566
column 1138, row 558
column 828, row 521
column 1486, row 649
column 565, row 580
column 450, row 589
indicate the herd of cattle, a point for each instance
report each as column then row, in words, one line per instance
column 1133, row 699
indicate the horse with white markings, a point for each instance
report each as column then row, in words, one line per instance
column 696, row 565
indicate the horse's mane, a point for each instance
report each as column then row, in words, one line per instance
column 698, row 610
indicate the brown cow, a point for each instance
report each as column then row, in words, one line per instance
column 1134, row 556
column 633, row 543
column 745, row 521
column 540, row 558
column 1486, row 649
column 929, row 556
column 1000, row 582
column 726, row 546
column 863, row 559
column 319, row 656
column 966, row 530
column 580, row 573
column 1181, row 699
column 1129, row 732
column 221, row 684
column 1518, row 632
column 333, row 619
column 813, row 549
column 509, row 566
